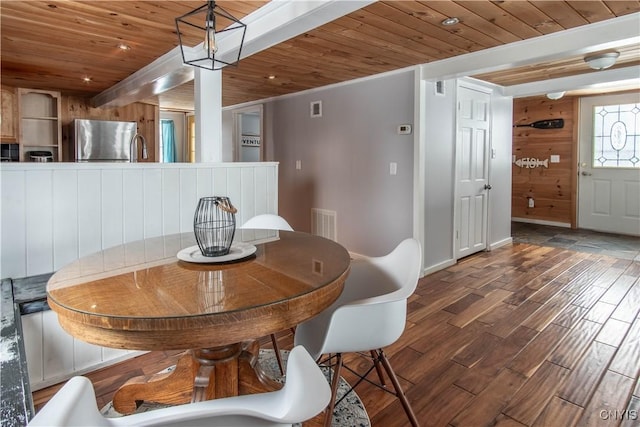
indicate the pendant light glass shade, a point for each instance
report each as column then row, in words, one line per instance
column 199, row 27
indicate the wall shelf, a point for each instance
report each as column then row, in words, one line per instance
column 39, row 122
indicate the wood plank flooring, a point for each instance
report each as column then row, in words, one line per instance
column 524, row 335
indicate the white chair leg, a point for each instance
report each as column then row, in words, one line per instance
column 396, row 384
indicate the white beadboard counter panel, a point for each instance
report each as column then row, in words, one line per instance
column 52, row 214
column 55, row 213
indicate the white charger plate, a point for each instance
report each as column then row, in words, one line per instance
column 238, row 251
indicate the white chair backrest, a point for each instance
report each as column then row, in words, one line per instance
column 268, row 222
column 371, row 311
column 304, row 378
column 391, row 277
column 74, row 405
column 304, row 395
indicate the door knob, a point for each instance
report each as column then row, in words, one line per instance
column 487, row 187
column 586, row 173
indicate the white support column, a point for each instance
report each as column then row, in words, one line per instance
column 208, row 112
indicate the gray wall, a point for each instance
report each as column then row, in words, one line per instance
column 439, row 169
column 345, row 157
column 500, row 171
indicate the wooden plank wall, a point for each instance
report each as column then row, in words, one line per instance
column 553, row 189
column 146, row 115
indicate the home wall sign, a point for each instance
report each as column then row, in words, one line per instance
column 250, row 141
column 531, row 163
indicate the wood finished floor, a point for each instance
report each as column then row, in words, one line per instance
column 524, row 335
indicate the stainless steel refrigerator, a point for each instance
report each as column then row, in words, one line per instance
column 103, row 140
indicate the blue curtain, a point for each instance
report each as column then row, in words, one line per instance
column 168, row 141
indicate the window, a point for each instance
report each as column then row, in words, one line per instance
column 616, row 136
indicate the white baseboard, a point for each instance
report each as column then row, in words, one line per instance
column 542, row 222
column 437, row 267
column 35, row 386
column 500, row 243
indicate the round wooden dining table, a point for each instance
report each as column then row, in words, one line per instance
column 141, row 296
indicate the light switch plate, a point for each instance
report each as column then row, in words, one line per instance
column 393, row 168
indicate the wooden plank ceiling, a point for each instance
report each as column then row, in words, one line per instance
column 55, row 44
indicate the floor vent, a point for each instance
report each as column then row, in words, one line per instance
column 323, row 223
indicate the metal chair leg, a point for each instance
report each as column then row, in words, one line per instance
column 274, row 341
column 328, row 419
column 399, row 392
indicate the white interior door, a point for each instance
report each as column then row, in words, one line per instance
column 472, row 171
column 248, row 141
column 609, row 172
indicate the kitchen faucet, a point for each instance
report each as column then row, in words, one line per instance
column 133, row 148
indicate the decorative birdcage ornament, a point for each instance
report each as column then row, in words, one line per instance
column 214, row 225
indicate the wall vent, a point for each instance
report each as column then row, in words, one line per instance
column 323, row 223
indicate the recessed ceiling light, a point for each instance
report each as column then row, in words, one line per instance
column 450, row 21
column 271, row 77
column 86, row 79
column 123, row 46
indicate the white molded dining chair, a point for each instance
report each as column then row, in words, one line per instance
column 304, row 395
column 369, row 314
column 270, row 222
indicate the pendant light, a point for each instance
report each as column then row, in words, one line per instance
column 202, row 21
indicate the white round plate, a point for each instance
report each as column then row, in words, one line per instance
column 238, row 251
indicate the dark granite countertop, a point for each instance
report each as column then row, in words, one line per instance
column 16, row 405
column 30, row 293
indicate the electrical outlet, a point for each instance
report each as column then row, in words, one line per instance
column 532, row 203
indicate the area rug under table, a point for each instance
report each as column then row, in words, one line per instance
column 349, row 413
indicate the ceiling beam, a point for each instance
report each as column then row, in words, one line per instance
column 267, row 26
column 627, row 76
column 620, row 31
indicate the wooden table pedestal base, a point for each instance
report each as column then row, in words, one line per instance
column 199, row 375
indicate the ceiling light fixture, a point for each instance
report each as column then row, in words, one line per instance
column 204, row 19
column 555, row 95
column 450, row 21
column 123, row 46
column 600, row 61
column 86, row 79
column 271, row 77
